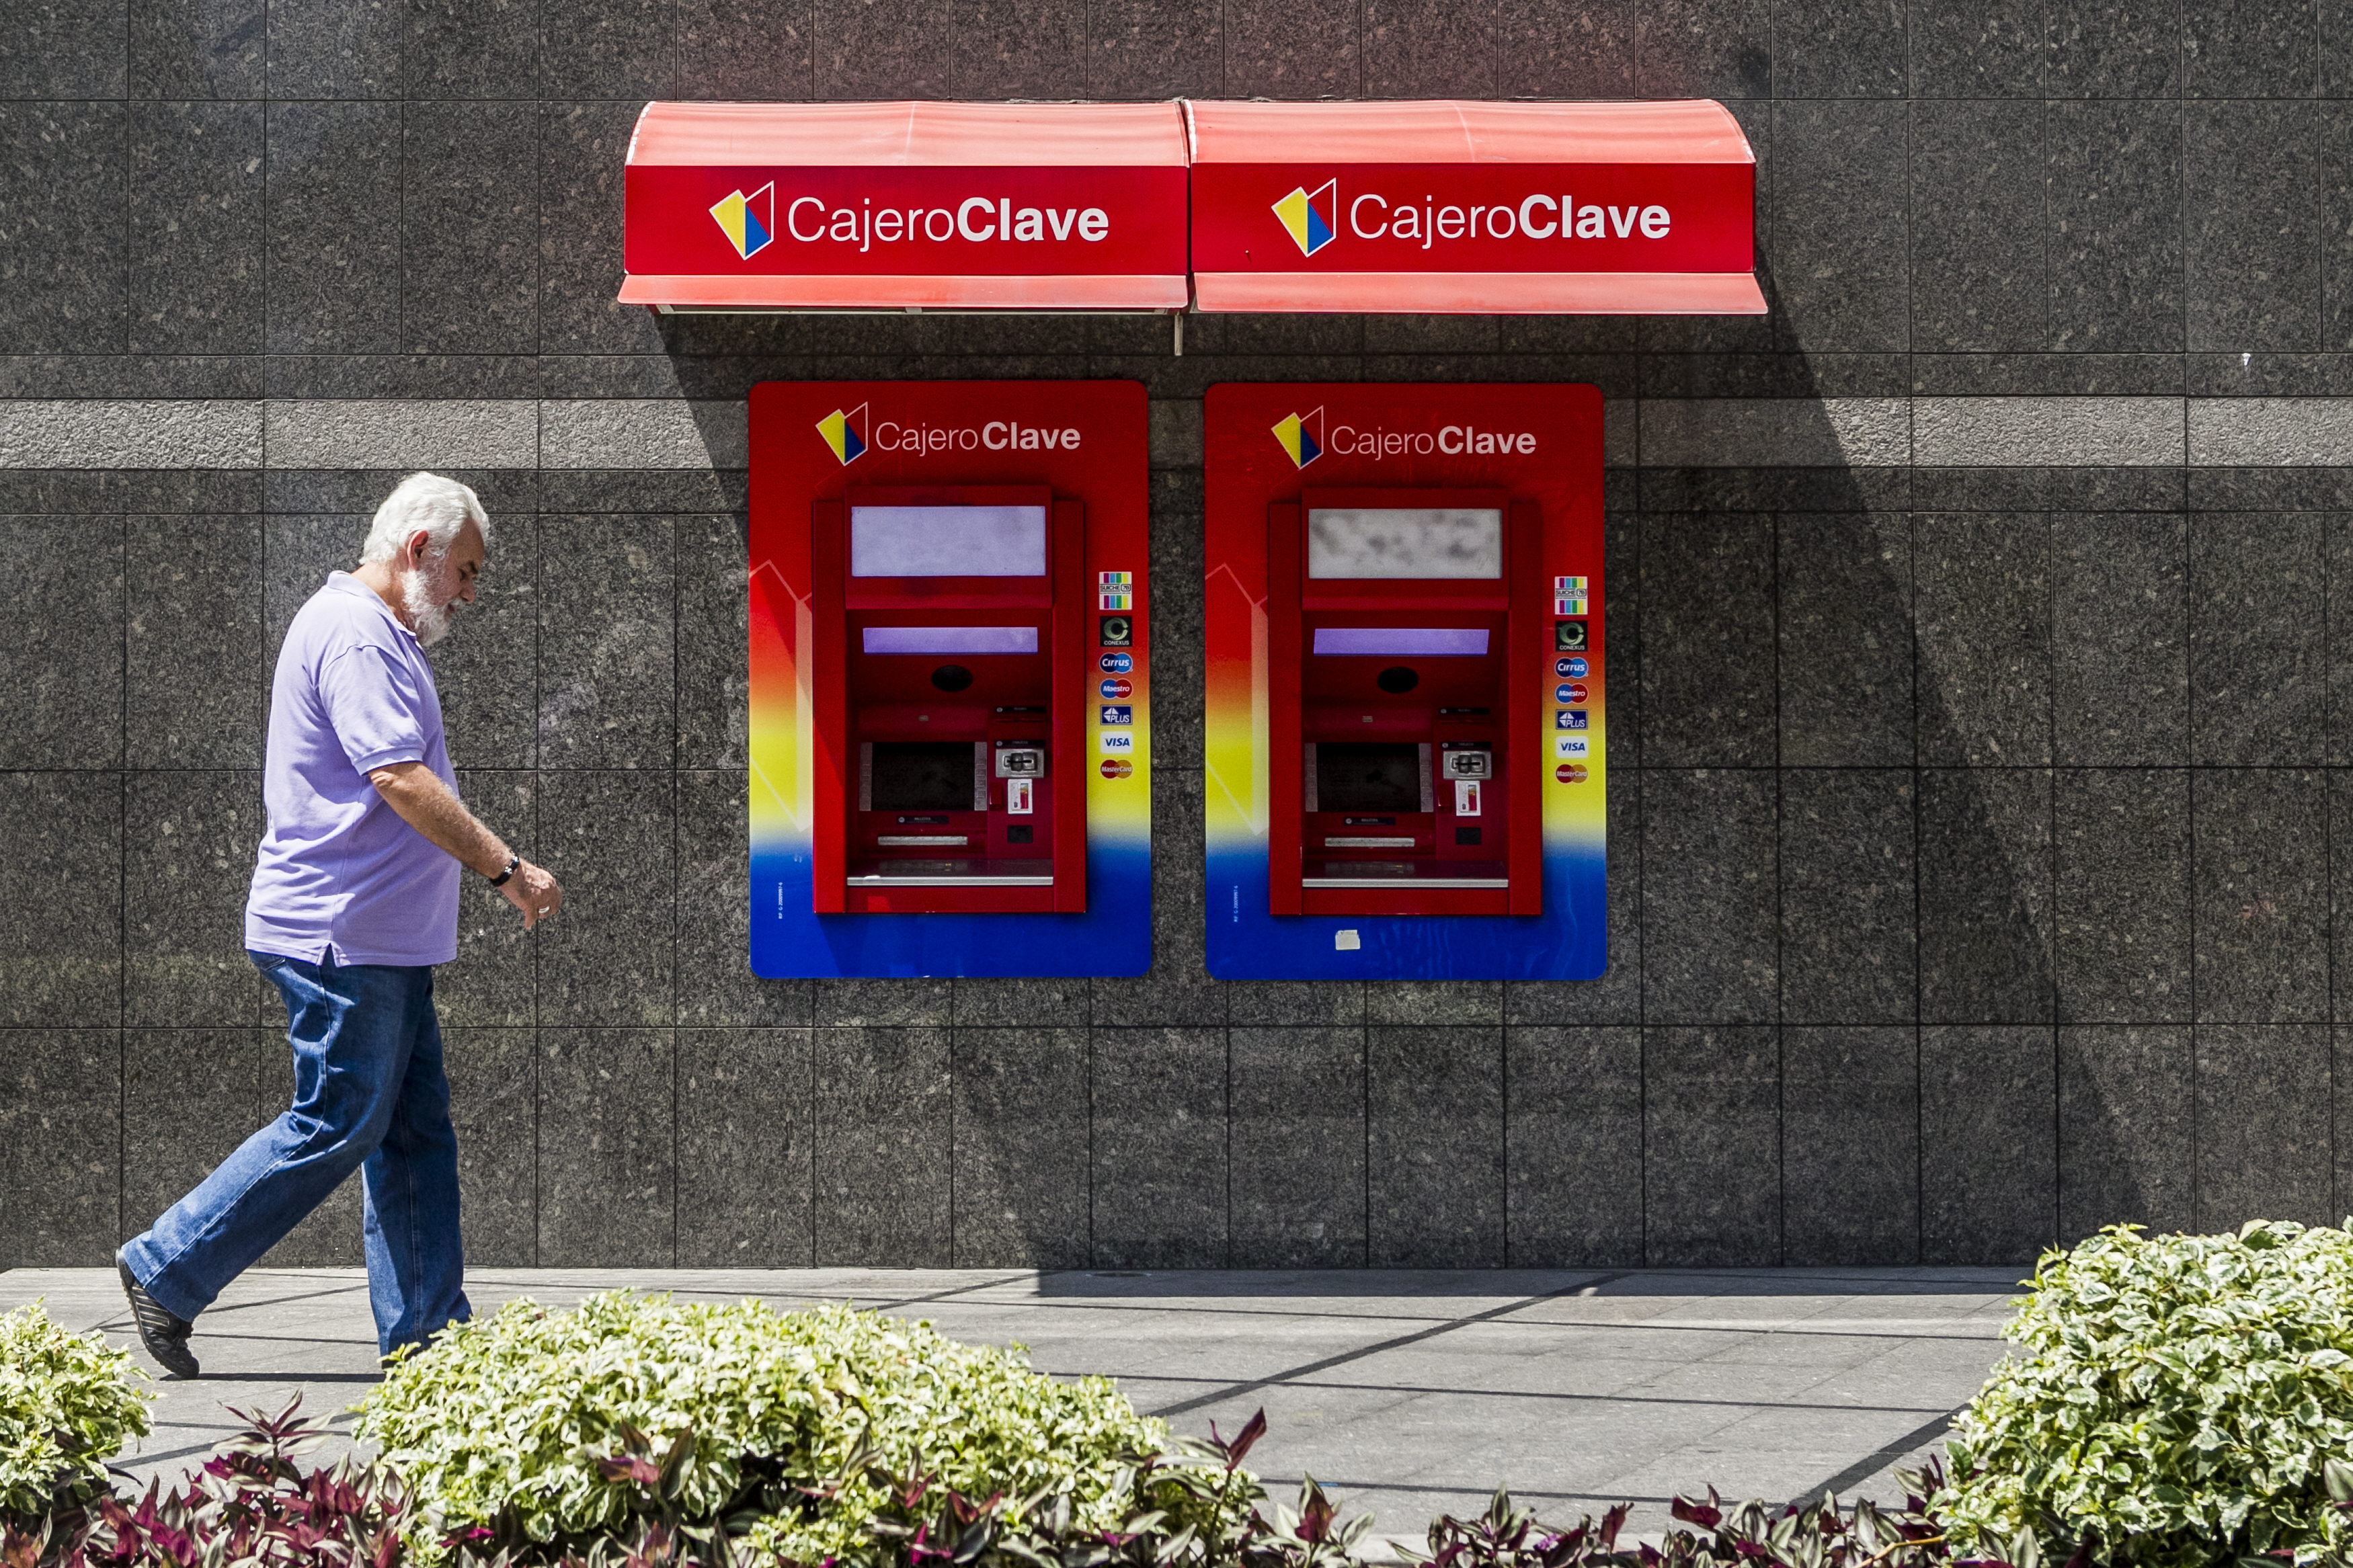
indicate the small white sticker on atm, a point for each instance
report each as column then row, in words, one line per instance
column 1017, row 797
column 1466, row 797
column 1572, row 745
column 1118, row 741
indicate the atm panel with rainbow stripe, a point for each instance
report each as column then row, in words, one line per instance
column 1407, row 721
column 950, row 707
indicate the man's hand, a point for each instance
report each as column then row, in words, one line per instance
column 428, row 806
column 534, row 893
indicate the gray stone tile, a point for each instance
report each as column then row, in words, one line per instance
column 1021, row 1193
column 607, row 642
column 2123, row 895
column 1839, row 238
column 1705, row 48
column 327, row 49
column 296, row 553
column 494, row 1105
column 61, row 614
column 1555, row 51
column 1986, row 896
column 333, row 221
column 2267, row 50
column 1291, row 1003
column 607, row 1148
column 1178, row 989
column 1617, row 996
column 1850, row 1146
column 1845, row 639
column 1989, row 1155
column 2127, row 1141
column 1159, row 1170
column 196, row 692
column 61, row 952
column 1298, row 1147
column 2258, row 681
column 62, row 169
column 1279, row 48
column 583, row 149
column 1839, row 49
column 885, row 1004
column 469, row 230
column 2114, row 51
column 60, row 1138
column 607, row 49
column 2262, row 911
column 1573, row 1147
column 1849, row 947
column 746, row 1142
column 1434, row 1136
column 1037, row 50
column 1053, row 1002
column 1454, row 1003
column 1151, row 49
column 2263, row 1124
column 1711, row 1115
column 487, row 670
column 746, row 51
column 196, row 48
column 189, row 840
column 2120, row 630
column 2113, row 209
column 715, row 983
column 714, row 680
column 1983, row 617
column 610, row 839
column 1426, row 49
column 194, row 265
column 90, row 492
column 2253, row 259
column 2336, row 199
column 1707, row 654
column 66, row 48
column 470, row 48
column 189, row 1097
column 494, row 983
column 1978, row 277
column 1709, row 885
column 883, row 1158
column 1971, row 48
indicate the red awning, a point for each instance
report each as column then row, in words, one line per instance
column 1048, row 206
column 1445, row 207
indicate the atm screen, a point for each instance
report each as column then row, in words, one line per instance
column 922, row 775
column 1369, row 775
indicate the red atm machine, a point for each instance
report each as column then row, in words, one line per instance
column 1405, row 625
column 948, row 776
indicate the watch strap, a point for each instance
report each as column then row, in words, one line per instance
column 501, row 880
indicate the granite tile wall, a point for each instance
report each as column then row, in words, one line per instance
column 1979, row 799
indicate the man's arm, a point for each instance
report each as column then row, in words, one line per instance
column 428, row 806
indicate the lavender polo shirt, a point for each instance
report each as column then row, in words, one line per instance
column 340, row 875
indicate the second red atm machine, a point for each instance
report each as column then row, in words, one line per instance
column 950, row 721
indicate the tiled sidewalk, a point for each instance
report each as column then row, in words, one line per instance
column 1405, row 1392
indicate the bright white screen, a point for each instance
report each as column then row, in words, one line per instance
column 1401, row 642
column 952, row 640
column 1405, row 542
column 947, row 542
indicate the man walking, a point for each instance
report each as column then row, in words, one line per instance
column 354, row 900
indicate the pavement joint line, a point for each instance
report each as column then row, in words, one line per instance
column 1871, row 1464
column 1469, row 1490
column 1231, row 1391
column 1537, row 1393
column 968, row 1289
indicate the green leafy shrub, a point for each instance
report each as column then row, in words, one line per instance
column 2177, row 1404
column 68, row 1404
column 539, row 1431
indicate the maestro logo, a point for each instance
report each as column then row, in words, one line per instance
column 748, row 222
column 1310, row 217
column 1300, row 437
column 845, row 433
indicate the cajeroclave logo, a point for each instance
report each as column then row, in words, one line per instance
column 845, row 432
column 1302, row 436
column 748, row 222
column 1309, row 218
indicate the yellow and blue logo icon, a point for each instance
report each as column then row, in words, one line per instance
column 1302, row 435
column 1309, row 216
column 845, row 432
column 748, row 222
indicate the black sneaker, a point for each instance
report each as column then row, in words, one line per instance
column 166, row 1336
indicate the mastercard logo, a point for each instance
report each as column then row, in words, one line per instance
column 1567, row 773
column 1120, row 767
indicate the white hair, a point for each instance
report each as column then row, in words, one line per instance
column 425, row 503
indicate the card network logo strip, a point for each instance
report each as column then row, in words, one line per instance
column 1302, row 436
column 845, row 433
column 1311, row 218
column 748, row 222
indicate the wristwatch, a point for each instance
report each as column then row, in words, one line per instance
column 501, row 880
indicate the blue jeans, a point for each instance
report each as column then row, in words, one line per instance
column 369, row 1094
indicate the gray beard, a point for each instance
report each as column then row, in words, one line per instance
column 430, row 620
